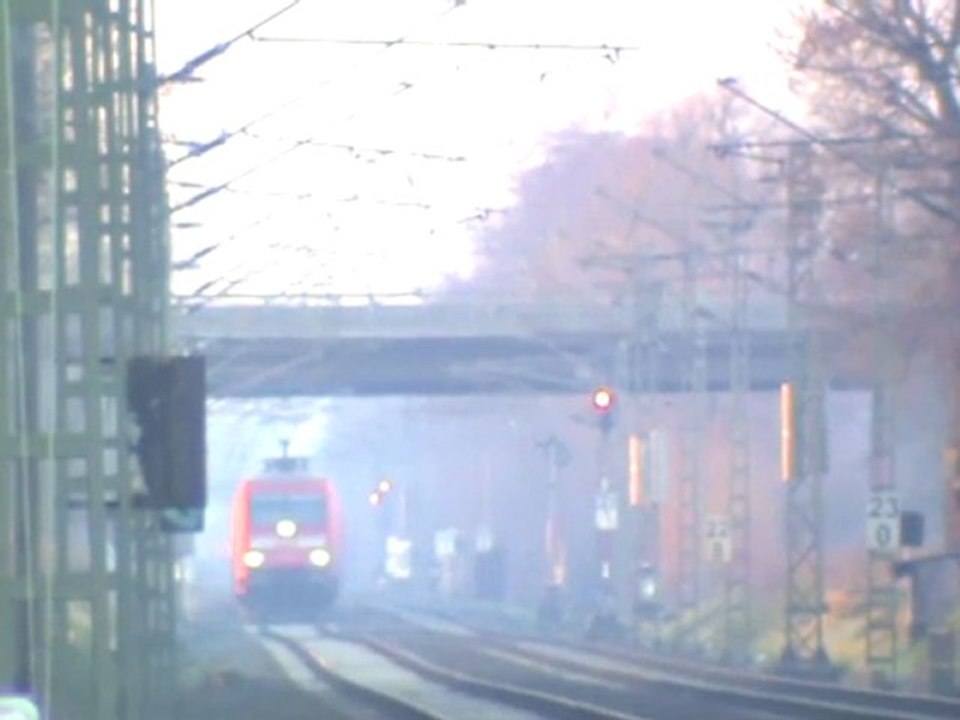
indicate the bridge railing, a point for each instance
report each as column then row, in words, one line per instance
column 424, row 316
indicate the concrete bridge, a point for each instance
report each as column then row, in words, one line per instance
column 326, row 347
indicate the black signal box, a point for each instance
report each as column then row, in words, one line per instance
column 167, row 396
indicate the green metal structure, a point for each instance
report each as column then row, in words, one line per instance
column 86, row 578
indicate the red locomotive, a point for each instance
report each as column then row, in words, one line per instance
column 287, row 538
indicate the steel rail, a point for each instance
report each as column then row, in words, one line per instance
column 924, row 705
column 379, row 700
column 814, row 697
column 546, row 704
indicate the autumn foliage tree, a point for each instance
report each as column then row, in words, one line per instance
column 884, row 77
column 601, row 204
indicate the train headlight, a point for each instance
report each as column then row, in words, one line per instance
column 320, row 557
column 253, row 558
column 286, row 529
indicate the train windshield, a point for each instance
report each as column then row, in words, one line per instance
column 268, row 510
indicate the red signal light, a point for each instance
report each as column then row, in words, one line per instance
column 603, row 399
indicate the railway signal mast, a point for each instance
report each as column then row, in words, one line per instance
column 803, row 427
column 603, row 401
column 606, row 517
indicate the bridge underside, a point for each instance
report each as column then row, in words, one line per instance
column 464, row 366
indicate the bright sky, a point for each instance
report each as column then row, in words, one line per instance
column 330, row 215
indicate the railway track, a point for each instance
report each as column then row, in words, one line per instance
column 707, row 686
column 481, row 698
column 390, row 705
column 925, row 706
column 537, row 687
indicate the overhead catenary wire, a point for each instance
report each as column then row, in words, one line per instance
column 364, row 150
column 615, row 49
column 198, row 255
column 479, row 214
column 239, row 274
column 202, row 148
column 199, row 148
column 207, row 192
column 216, row 189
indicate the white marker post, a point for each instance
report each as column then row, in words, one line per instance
column 883, row 522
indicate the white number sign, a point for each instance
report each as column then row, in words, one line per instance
column 718, row 545
column 883, row 522
column 606, row 515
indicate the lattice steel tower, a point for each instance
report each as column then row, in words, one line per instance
column 692, row 436
column 86, row 590
column 804, row 422
column 881, row 630
column 738, row 625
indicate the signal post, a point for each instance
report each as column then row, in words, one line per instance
column 606, row 515
column 644, row 549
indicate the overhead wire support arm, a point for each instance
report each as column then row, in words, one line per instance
column 661, row 154
column 202, row 148
column 834, row 147
column 216, row 189
column 186, row 73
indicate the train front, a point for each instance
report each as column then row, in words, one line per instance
column 287, row 544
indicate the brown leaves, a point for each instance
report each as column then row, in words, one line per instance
column 601, row 201
column 890, row 59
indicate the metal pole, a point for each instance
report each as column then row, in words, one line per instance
column 25, row 351
column 550, row 610
column 605, row 489
column 692, row 435
column 650, row 551
column 9, row 578
column 738, row 624
column 881, row 632
column 804, row 649
column 551, row 532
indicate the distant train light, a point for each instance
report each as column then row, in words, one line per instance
column 286, row 529
column 603, row 399
column 254, row 559
column 648, row 588
column 380, row 492
column 320, row 557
